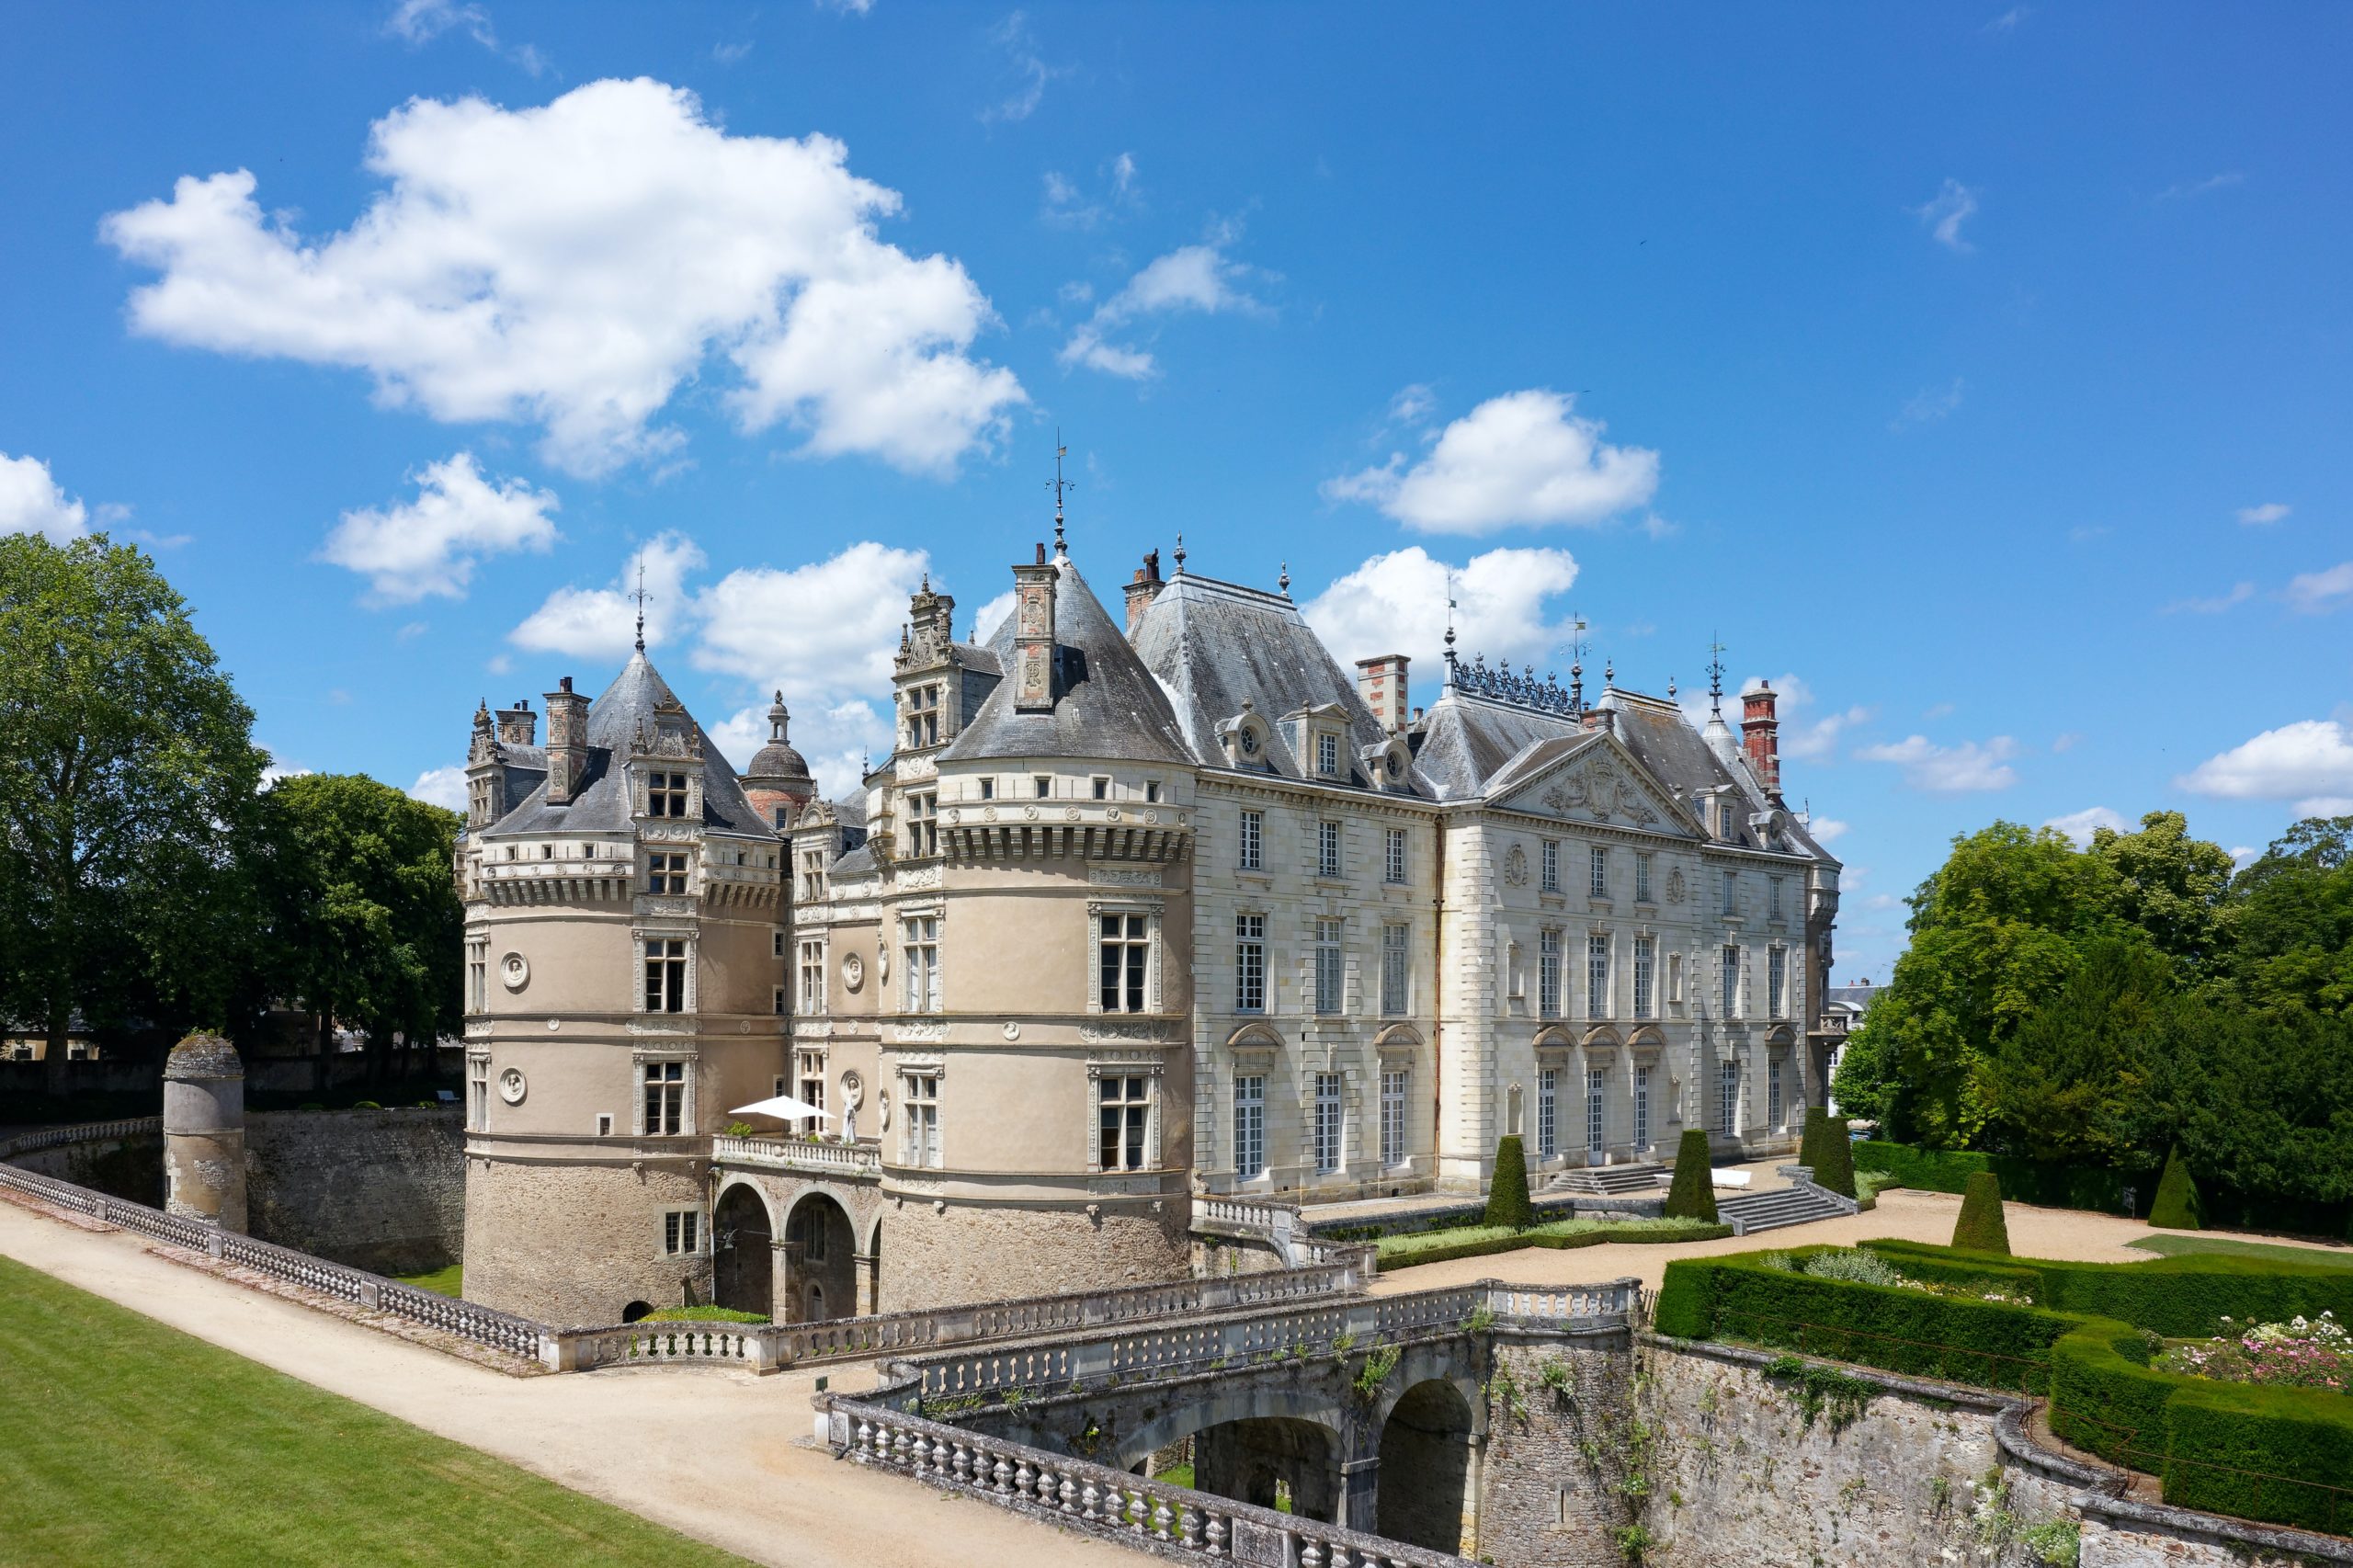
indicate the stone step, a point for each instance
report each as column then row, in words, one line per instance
column 1751, row 1212
column 1609, row 1181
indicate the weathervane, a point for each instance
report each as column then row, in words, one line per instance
column 640, row 597
column 1716, row 676
column 1060, row 486
column 1576, row 662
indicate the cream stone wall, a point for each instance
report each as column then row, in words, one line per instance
column 571, row 1240
column 965, row 1252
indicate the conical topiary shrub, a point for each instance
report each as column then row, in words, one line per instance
column 1508, row 1192
column 1693, row 1194
column 1834, row 1167
column 2176, row 1207
column 1810, row 1141
column 1981, row 1227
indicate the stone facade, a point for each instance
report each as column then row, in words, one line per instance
column 945, row 1254
column 383, row 1190
column 1558, row 1456
column 585, row 1240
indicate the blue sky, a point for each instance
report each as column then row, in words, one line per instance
column 1979, row 374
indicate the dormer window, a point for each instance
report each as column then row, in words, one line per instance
column 1724, row 819
column 666, row 794
column 1328, row 754
column 922, row 717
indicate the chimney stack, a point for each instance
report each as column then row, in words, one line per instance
column 519, row 726
column 1033, row 635
column 1381, row 681
column 1760, row 737
column 567, row 743
column 1143, row 590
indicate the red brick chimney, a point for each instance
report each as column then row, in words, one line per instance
column 1381, row 683
column 1144, row 589
column 1760, row 737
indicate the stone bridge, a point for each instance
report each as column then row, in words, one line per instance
column 1306, row 1407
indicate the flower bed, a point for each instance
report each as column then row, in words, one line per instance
column 1478, row 1241
column 2303, row 1353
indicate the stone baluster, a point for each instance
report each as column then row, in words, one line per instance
column 1216, row 1533
column 1311, row 1555
column 1023, row 1478
column 1069, row 1493
column 1139, row 1506
column 1160, row 1518
column 898, row 1448
column 1001, row 1476
column 963, row 1465
column 1188, row 1526
column 863, row 1450
column 1090, row 1497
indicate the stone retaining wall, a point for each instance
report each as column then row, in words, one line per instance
column 383, row 1190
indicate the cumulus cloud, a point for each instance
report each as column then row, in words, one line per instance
column 1945, row 770
column 2315, row 592
column 570, row 266
column 602, row 622
column 837, row 741
column 441, row 787
column 31, row 501
column 984, row 621
column 827, row 628
column 2258, row 517
column 1396, row 603
column 1521, row 457
column 1943, row 214
column 1197, row 279
column 430, row 545
column 2310, row 762
column 2081, row 825
column 1827, row 830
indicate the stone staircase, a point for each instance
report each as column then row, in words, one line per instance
column 1749, row 1212
column 1638, row 1180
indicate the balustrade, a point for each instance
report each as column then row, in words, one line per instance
column 808, row 1154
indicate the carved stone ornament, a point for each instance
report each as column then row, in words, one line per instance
column 853, row 971
column 919, row 1034
column 513, row 971
column 1120, row 877
column 853, row 1089
column 882, row 959
column 512, row 1085
column 988, row 813
column 1516, row 866
column 1099, row 1033
column 1675, row 886
column 1012, row 1029
column 920, row 878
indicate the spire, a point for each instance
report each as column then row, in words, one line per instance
column 640, row 597
column 1715, row 676
column 1061, row 484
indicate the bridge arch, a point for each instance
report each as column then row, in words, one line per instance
column 743, row 1252
column 1426, row 1437
column 821, row 1247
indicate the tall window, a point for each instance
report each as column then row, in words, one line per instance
column 665, row 1099
column 1392, row 1116
column 1642, row 1107
column 919, row 945
column 1552, row 866
column 812, row 1092
column 1327, row 849
column 813, row 875
column 681, row 1232
column 1250, row 1125
column 1596, row 1124
column 1600, row 881
column 922, row 717
column 477, row 1093
column 1547, row 973
column 812, row 979
column 1393, row 859
column 1327, row 756
column 922, row 824
column 1396, row 968
column 665, row 974
column 1773, row 1093
column 477, row 977
column 1777, row 969
column 1124, row 954
column 1596, row 976
column 666, row 873
column 1329, row 966
column 1327, row 1121
column 1249, row 963
column 1728, row 1095
column 1724, row 819
column 1123, row 1120
column 1548, row 1112
column 1729, row 965
column 1731, row 893
column 1644, row 966
column 1772, row 898
column 1253, row 841
column 666, row 794
column 919, row 1114
column 1643, row 878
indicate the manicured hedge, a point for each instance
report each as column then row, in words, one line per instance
column 1692, row 1193
column 1479, row 1241
column 2176, row 1207
column 2183, row 1296
column 2023, row 1181
column 2282, row 1455
column 1981, row 1227
column 1507, row 1188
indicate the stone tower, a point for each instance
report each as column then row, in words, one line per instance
column 204, row 1133
column 777, row 783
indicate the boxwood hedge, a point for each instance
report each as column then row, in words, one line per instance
column 2182, row 1296
column 2023, row 1181
column 1478, row 1241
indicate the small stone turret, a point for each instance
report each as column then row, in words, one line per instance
column 567, row 744
column 204, row 1133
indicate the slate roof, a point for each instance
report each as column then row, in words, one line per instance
column 1215, row 645
column 1107, row 704
column 602, row 804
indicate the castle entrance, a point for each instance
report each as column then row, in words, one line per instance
column 822, row 1256
column 742, row 1255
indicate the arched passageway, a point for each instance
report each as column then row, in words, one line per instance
column 742, row 1260
column 1425, row 1467
column 1267, row 1459
column 820, row 1261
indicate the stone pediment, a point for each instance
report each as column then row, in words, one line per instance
column 1600, row 783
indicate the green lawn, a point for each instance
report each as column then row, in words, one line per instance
column 701, row 1314
column 2174, row 1246
column 449, row 1282
column 130, row 1443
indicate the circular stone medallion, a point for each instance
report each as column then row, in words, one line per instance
column 511, row 1086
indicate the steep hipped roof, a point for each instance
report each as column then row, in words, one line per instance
column 1107, row 704
column 1217, row 645
column 602, row 803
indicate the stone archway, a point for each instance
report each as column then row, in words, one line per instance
column 821, row 1254
column 1426, row 1467
column 1266, row 1458
column 743, row 1256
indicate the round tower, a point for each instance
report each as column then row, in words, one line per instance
column 204, row 1133
column 777, row 783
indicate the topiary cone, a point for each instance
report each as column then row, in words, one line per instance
column 1834, row 1159
column 1982, row 1227
column 2176, row 1207
column 1508, row 1192
column 1810, row 1141
column 1693, row 1194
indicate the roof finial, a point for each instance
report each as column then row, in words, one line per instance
column 1670, row 688
column 1061, row 484
column 1449, row 624
column 1283, row 582
column 640, row 597
column 1716, row 676
column 1610, row 672
column 1180, row 555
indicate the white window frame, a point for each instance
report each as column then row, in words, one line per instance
column 1329, row 1124
column 1549, row 858
column 1328, row 754
column 1597, row 860
column 1646, row 976
column 1250, row 1125
column 1331, row 966
column 1548, row 972
column 1777, row 974
column 668, row 1073
column 1327, row 848
column 1394, row 1083
column 1732, row 894
column 813, row 977
column 1641, row 1092
column 682, row 1233
column 920, row 961
column 1395, row 865
column 1126, row 1086
column 1597, row 1109
column 1643, row 868
column 478, row 1091
column 1728, row 1095
column 1773, row 898
column 1728, row 982
column 1597, row 1000
column 1396, row 969
column 1772, row 1093
column 1548, row 1112
column 1250, row 977
column 1250, row 853
column 919, row 1143
column 1146, row 940
column 685, row 974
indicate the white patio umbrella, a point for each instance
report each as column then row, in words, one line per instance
column 783, row 1107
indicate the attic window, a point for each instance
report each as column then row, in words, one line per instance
column 988, row 789
column 666, row 794
column 547, row 851
column 1328, row 754
column 1152, row 791
column 513, row 853
column 1102, row 789
column 1045, row 787
column 1724, row 819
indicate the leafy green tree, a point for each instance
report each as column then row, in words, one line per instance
column 364, row 923
column 127, row 778
column 2261, row 1103
column 2169, row 885
column 2074, row 1083
column 2292, row 922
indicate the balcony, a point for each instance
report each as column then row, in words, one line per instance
column 809, row 1156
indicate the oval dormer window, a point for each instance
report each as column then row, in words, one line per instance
column 1249, row 742
column 1397, row 767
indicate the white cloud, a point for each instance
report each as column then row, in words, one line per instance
column 1027, row 67
column 2008, row 21
column 2243, row 855
column 1412, row 404
column 2206, row 186
column 276, row 771
column 1881, row 900
column 2269, row 512
column 1123, row 174
column 419, row 22
column 2310, row 761
column 2079, row 826
column 1803, row 734
column 1827, row 830
column 1954, row 769
column 441, row 787
column 1396, row 603
column 429, row 545
column 31, row 502
column 846, row 7
column 2068, row 742
column 1198, row 278
column 834, row 741
column 1945, row 212
column 1929, row 405
column 825, row 631
column 1068, row 206
column 1521, row 457
column 570, row 266
column 2315, row 592
column 602, row 622
column 984, row 621
column 2239, row 594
